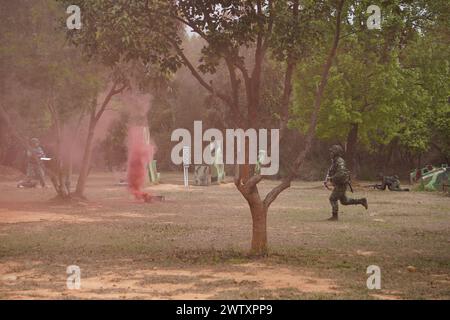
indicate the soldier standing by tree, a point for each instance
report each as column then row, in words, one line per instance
column 339, row 176
column 35, row 169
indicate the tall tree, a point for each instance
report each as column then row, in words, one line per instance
column 57, row 85
column 50, row 76
column 377, row 94
column 149, row 31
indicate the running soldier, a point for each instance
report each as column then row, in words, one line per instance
column 339, row 176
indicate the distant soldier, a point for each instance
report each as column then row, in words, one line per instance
column 339, row 176
column 35, row 168
column 391, row 182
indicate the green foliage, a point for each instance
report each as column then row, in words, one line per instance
column 42, row 65
column 391, row 83
column 121, row 30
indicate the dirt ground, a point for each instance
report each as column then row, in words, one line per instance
column 194, row 245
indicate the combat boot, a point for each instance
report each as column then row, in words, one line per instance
column 334, row 217
column 364, row 203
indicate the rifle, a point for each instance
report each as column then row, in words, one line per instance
column 327, row 177
column 374, row 186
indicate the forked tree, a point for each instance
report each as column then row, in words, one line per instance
column 280, row 31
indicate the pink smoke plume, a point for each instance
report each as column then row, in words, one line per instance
column 140, row 153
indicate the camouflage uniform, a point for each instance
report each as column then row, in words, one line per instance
column 35, row 169
column 340, row 177
column 392, row 183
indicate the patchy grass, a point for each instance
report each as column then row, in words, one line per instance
column 195, row 244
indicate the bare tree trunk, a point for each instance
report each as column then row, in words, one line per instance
column 247, row 186
column 68, row 165
column 93, row 120
column 286, row 183
column 259, row 230
column 84, row 170
column 57, row 170
column 62, row 191
column 245, row 180
column 387, row 160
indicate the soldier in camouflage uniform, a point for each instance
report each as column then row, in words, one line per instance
column 391, row 182
column 339, row 176
column 35, row 168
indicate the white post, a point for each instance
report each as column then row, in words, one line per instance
column 186, row 162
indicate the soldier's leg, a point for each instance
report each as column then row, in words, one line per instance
column 30, row 172
column 396, row 187
column 40, row 175
column 391, row 187
column 382, row 186
column 26, row 181
column 334, row 197
column 350, row 201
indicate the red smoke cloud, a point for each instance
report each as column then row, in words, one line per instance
column 139, row 155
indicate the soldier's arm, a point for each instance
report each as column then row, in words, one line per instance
column 340, row 169
column 327, row 177
column 40, row 152
column 329, row 172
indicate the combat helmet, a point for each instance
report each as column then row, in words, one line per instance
column 336, row 151
column 34, row 141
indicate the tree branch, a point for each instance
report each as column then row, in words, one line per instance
column 273, row 194
column 197, row 75
column 269, row 25
column 234, row 81
column 287, row 90
column 113, row 91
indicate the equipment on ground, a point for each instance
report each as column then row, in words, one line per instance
column 202, row 175
column 261, row 160
column 435, row 179
column 186, row 162
column 218, row 168
column 205, row 175
column 153, row 174
column 416, row 174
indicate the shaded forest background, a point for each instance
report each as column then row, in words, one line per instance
column 388, row 106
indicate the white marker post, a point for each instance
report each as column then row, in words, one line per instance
column 186, row 162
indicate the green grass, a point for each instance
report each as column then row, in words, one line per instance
column 209, row 229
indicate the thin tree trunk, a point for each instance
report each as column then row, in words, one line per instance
column 352, row 139
column 68, row 166
column 259, row 230
column 93, row 120
column 258, row 210
column 84, row 170
column 248, row 185
column 387, row 160
column 63, row 193
column 286, row 183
